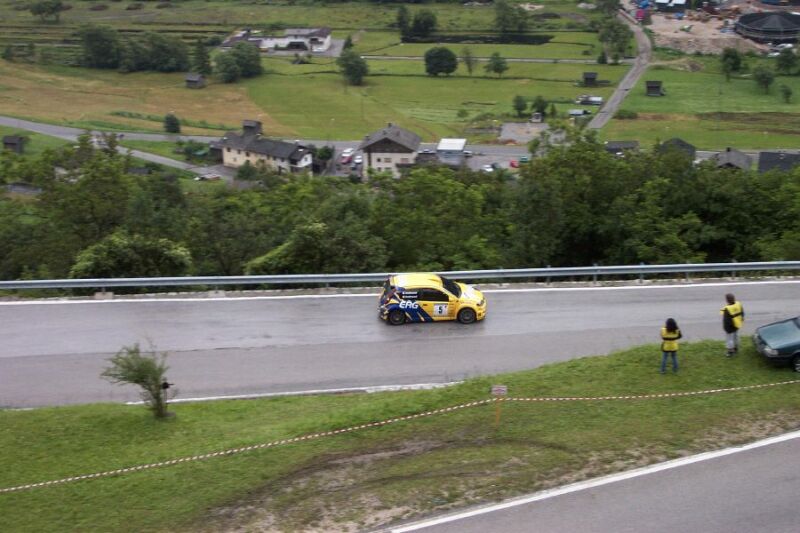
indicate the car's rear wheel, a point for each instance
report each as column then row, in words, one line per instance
column 796, row 363
column 396, row 317
column 467, row 315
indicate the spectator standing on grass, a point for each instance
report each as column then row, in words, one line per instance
column 732, row 320
column 670, row 334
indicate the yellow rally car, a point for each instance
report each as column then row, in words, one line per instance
column 428, row 298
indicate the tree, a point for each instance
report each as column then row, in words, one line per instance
column 201, row 62
column 730, row 61
column 8, row 53
column 763, row 76
column 354, row 68
column 48, row 9
column 602, row 59
column 509, row 18
column 786, row 61
column 248, row 57
column 496, row 65
column 129, row 366
column 403, row 21
column 101, row 46
column 468, row 59
column 609, row 7
column 121, row 255
column 520, row 105
column 424, row 23
column 615, row 36
column 227, row 67
column 172, row 124
column 539, row 105
column 348, row 43
column 440, row 60
column 786, row 93
column 165, row 53
column 553, row 112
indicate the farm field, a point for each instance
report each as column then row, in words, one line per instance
column 564, row 45
column 398, row 91
column 293, row 101
column 709, row 112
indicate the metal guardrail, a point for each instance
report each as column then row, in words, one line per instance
column 593, row 272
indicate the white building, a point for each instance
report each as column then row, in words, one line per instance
column 390, row 149
column 293, row 40
column 281, row 156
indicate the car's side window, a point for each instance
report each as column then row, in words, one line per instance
column 433, row 295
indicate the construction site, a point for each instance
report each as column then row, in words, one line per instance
column 707, row 30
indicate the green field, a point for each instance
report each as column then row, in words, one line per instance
column 709, row 112
column 313, row 100
column 398, row 471
column 564, row 45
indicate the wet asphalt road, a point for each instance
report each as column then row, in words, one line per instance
column 52, row 354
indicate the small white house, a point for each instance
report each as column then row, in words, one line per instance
column 451, row 147
column 293, row 39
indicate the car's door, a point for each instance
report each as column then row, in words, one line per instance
column 437, row 304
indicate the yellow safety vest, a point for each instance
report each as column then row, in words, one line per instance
column 670, row 339
column 736, row 312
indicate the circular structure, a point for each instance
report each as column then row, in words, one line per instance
column 776, row 26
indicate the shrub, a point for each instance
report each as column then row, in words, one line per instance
column 98, row 7
column 134, row 7
column 626, row 114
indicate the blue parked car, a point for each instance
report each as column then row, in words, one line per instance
column 780, row 341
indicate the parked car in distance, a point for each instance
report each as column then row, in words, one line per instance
column 525, row 159
column 514, row 163
column 347, row 155
column 358, row 159
column 780, row 341
column 468, row 153
column 487, row 168
column 208, row 177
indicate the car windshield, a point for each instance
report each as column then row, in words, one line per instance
column 451, row 286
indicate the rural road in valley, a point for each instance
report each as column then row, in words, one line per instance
column 645, row 50
column 53, row 352
column 744, row 492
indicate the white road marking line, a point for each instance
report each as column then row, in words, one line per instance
column 605, row 480
column 368, row 390
column 375, row 295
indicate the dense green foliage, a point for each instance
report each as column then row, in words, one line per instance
column 440, row 60
column 354, row 68
column 103, row 47
column 577, row 205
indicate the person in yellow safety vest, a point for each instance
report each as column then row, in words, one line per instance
column 732, row 321
column 670, row 334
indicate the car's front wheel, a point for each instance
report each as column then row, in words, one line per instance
column 796, row 363
column 396, row 317
column 467, row 315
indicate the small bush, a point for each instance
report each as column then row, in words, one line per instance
column 164, row 5
column 98, row 7
column 134, row 7
column 626, row 114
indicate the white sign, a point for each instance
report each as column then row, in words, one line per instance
column 439, row 309
column 499, row 390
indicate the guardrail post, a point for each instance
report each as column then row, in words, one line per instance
column 641, row 274
column 547, row 279
column 594, row 275
column 733, row 272
column 103, row 294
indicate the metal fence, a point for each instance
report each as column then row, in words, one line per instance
column 594, row 272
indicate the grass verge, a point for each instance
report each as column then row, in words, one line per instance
column 374, row 476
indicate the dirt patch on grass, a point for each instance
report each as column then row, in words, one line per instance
column 705, row 37
column 374, row 488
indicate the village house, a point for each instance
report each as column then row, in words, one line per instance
column 293, row 39
column 390, row 149
column 732, row 158
column 620, row 147
column 777, row 161
column 250, row 145
column 677, row 145
column 654, row 88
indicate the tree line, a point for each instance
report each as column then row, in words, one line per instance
column 577, row 205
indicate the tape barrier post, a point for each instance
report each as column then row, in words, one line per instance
column 498, row 392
